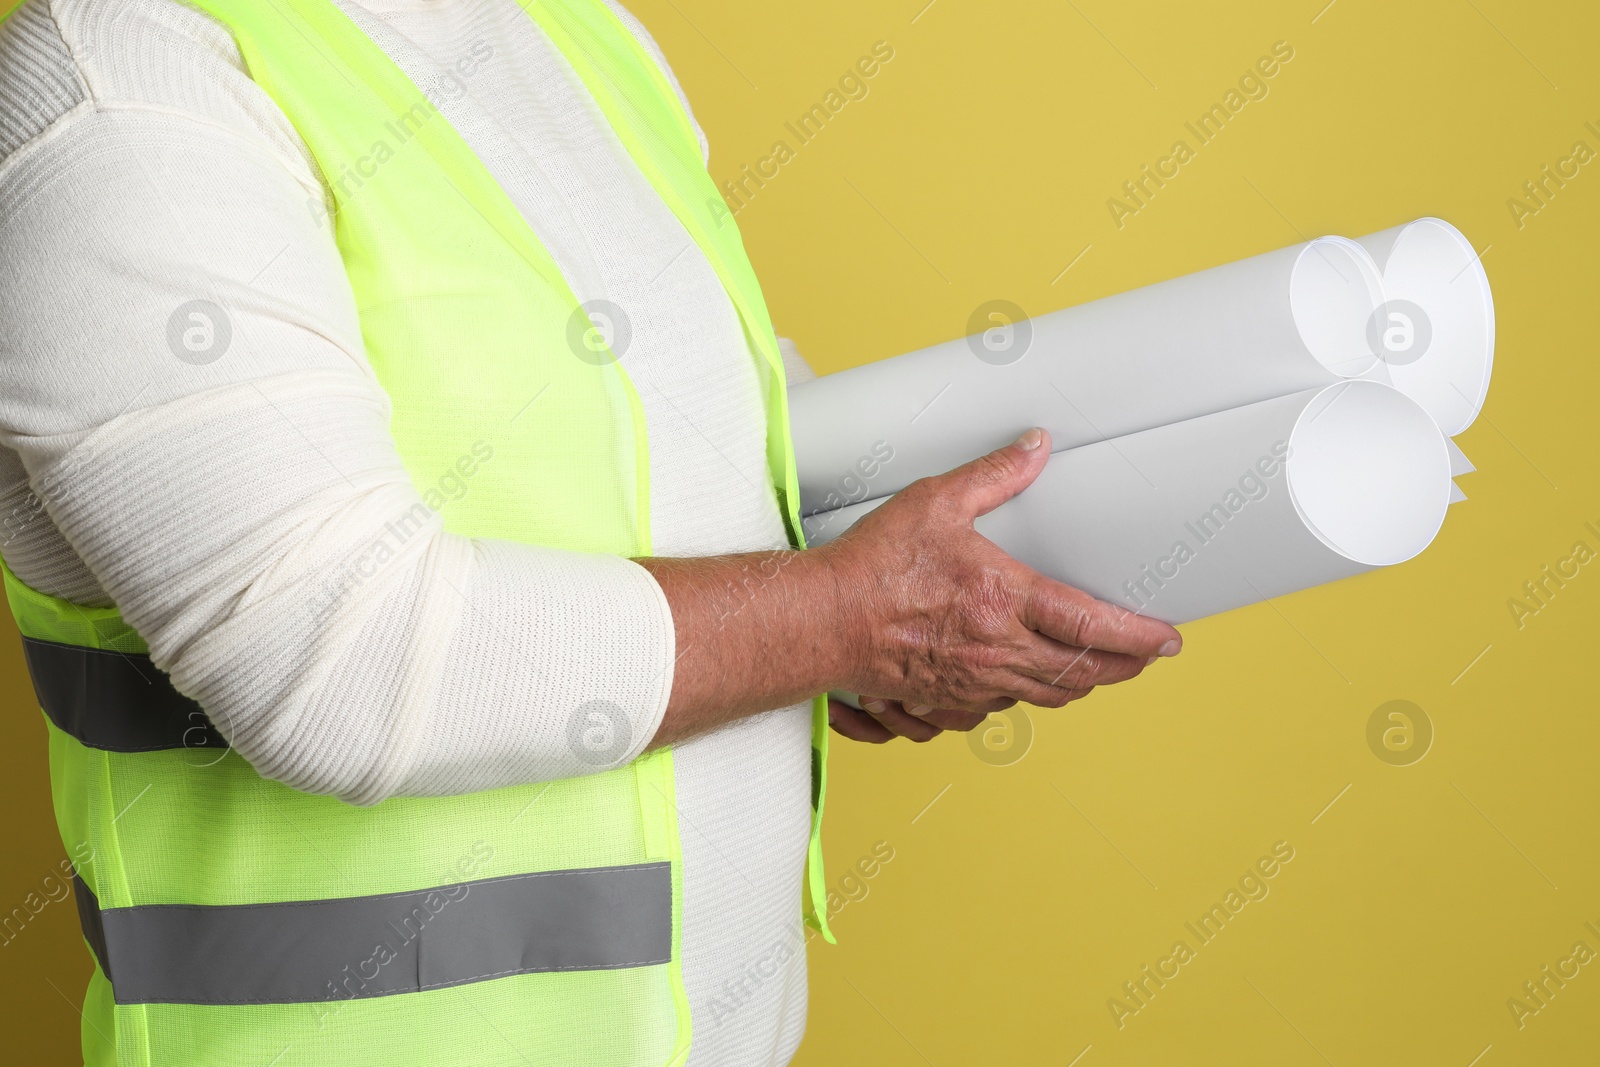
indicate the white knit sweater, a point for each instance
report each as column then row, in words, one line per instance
column 141, row 170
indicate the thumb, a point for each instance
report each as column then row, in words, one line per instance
column 989, row 481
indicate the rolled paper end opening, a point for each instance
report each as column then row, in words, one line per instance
column 1334, row 289
column 1369, row 473
column 1436, row 329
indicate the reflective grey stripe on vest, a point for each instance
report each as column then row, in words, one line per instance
column 600, row 918
column 117, row 701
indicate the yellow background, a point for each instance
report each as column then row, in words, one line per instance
column 978, row 167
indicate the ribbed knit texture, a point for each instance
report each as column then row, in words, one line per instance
column 219, row 504
column 38, row 82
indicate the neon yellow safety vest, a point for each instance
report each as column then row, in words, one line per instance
column 236, row 921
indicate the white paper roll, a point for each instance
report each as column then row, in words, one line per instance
column 1438, row 306
column 1303, row 317
column 1197, row 517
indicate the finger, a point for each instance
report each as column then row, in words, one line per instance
column 949, row 718
column 991, row 480
column 984, row 707
column 856, row 725
column 989, row 707
column 1073, row 617
column 1041, row 695
column 893, row 716
column 1056, row 664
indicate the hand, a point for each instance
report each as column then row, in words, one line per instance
column 911, row 605
column 943, row 618
column 883, row 720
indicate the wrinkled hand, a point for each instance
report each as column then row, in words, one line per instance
column 883, row 720
column 951, row 628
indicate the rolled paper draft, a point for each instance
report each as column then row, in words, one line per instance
column 1437, row 324
column 1197, row 517
column 1303, row 317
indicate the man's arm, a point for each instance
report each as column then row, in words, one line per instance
column 911, row 605
column 223, row 505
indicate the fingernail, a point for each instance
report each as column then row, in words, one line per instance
column 1030, row 440
column 874, row 706
column 921, row 710
column 1171, row 648
column 1151, row 660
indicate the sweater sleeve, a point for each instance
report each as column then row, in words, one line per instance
column 183, row 380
